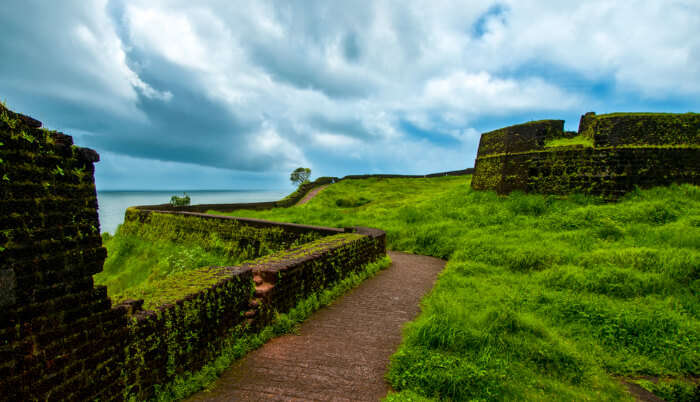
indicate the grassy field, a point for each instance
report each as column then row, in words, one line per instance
column 542, row 298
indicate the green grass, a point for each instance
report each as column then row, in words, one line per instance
column 542, row 297
column 672, row 390
column 150, row 261
column 162, row 258
column 137, row 266
column 565, row 142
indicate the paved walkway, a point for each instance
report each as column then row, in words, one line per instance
column 311, row 194
column 342, row 351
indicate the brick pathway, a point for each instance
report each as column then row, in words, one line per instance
column 311, row 194
column 342, row 351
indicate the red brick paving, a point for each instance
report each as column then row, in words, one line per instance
column 341, row 352
column 311, row 194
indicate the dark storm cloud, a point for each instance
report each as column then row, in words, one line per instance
column 285, row 64
column 351, row 49
column 50, row 72
column 351, row 127
column 47, row 71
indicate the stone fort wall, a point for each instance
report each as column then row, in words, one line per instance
column 60, row 336
column 623, row 151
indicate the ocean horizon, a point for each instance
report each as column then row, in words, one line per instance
column 112, row 204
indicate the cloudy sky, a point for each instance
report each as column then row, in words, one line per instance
column 221, row 94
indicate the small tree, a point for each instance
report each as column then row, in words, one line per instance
column 300, row 175
column 180, row 201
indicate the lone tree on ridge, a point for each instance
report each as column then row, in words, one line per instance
column 300, row 175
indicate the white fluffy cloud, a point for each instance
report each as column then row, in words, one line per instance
column 646, row 47
column 482, row 93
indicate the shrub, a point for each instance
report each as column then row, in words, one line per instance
column 180, row 201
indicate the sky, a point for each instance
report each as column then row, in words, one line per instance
column 225, row 94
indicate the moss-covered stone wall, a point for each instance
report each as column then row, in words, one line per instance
column 59, row 337
column 287, row 277
column 643, row 149
column 254, row 237
column 491, row 163
column 187, row 333
column 640, row 129
column 608, row 172
column 520, row 138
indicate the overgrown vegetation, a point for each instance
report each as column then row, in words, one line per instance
column 543, row 298
column 180, row 201
column 565, row 142
column 147, row 258
column 352, row 202
column 672, row 390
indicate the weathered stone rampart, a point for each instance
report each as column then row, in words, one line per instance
column 623, row 151
column 59, row 337
column 642, row 129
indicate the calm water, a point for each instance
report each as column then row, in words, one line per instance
column 113, row 204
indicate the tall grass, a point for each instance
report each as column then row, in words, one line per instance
column 543, row 297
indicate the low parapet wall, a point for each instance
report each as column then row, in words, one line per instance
column 625, row 150
column 284, row 234
column 185, row 334
column 462, row 172
column 288, row 201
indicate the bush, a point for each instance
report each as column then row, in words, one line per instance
column 180, row 201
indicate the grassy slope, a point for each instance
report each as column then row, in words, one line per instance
column 542, row 298
column 143, row 259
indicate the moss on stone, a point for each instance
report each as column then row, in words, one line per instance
column 308, row 248
column 177, row 286
column 150, row 247
column 618, row 129
column 566, row 142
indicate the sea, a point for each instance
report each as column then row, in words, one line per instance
column 113, row 204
